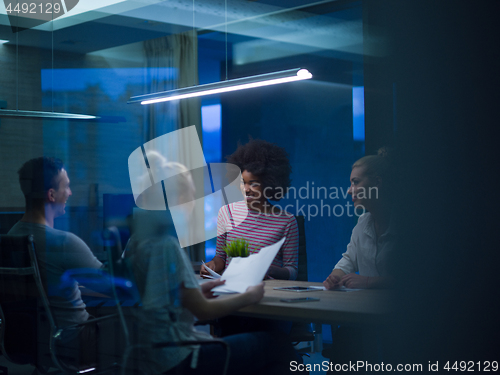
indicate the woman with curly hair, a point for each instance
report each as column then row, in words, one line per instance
column 265, row 171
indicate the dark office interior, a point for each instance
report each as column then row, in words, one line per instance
column 428, row 77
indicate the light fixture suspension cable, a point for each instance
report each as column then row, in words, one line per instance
column 225, row 24
column 52, row 69
column 195, row 37
column 17, row 65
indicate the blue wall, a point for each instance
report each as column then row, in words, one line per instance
column 313, row 121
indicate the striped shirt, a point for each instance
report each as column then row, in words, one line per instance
column 259, row 230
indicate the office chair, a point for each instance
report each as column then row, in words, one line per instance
column 304, row 332
column 302, row 270
column 18, row 308
column 28, row 331
column 116, row 262
column 117, row 212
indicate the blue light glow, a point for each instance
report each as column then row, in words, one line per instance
column 212, row 148
column 358, row 113
column 211, row 124
column 113, row 82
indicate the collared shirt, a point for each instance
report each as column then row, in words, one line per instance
column 365, row 253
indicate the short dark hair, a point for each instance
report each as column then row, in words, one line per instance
column 269, row 162
column 38, row 175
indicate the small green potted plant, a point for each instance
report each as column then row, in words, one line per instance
column 237, row 248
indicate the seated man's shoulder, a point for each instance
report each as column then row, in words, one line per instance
column 72, row 238
column 46, row 237
column 67, row 239
column 41, row 233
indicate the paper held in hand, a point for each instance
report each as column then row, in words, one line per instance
column 244, row 272
column 213, row 274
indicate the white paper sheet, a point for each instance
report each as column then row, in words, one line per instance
column 244, row 272
column 213, row 274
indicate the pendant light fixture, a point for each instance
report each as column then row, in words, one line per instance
column 40, row 114
column 268, row 79
column 275, row 78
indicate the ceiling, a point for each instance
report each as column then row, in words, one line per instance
column 256, row 30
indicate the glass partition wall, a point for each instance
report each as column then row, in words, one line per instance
column 93, row 58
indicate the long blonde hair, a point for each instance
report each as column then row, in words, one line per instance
column 379, row 165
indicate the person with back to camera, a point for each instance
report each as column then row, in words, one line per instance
column 265, row 171
column 373, row 237
column 172, row 297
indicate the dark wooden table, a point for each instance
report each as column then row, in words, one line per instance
column 334, row 307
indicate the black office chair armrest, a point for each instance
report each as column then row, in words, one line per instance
column 190, row 342
column 180, row 343
column 89, row 321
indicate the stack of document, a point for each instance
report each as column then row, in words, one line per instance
column 244, row 272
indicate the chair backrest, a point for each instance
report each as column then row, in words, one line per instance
column 22, row 302
column 117, row 282
column 26, row 316
column 302, row 271
column 8, row 219
column 117, row 264
column 117, row 212
column 112, row 243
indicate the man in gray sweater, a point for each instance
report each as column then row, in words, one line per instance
column 46, row 187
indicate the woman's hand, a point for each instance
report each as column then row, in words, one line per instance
column 280, row 273
column 353, row 280
column 206, row 288
column 194, row 300
column 217, row 264
column 332, row 282
column 255, row 293
column 203, row 271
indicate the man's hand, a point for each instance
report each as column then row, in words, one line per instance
column 206, row 288
column 332, row 282
column 353, row 280
column 256, row 292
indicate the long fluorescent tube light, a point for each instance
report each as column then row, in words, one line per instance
column 290, row 75
column 40, row 114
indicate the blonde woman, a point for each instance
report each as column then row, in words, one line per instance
column 372, row 240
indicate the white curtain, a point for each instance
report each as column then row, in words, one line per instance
column 172, row 62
